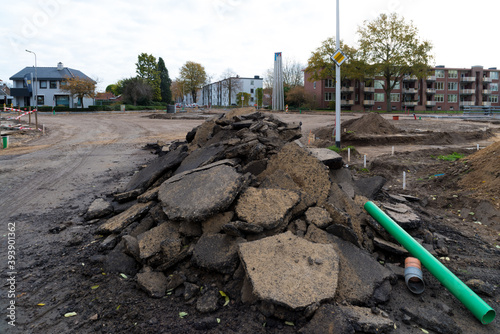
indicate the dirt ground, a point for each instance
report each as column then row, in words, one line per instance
column 47, row 183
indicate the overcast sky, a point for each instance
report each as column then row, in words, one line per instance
column 103, row 38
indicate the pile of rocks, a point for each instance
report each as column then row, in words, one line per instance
column 278, row 225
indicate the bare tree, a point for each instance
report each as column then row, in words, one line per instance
column 293, row 75
column 230, row 84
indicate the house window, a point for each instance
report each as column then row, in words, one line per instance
column 251, row 91
column 329, row 96
column 494, row 75
column 379, row 97
column 493, row 98
column 452, row 74
column 328, row 83
column 397, row 84
column 394, row 97
column 439, row 97
column 379, row 84
column 43, row 84
column 439, row 85
column 251, row 82
column 439, row 73
column 314, row 84
column 452, row 85
column 452, row 98
column 494, row 87
column 40, row 100
column 53, row 84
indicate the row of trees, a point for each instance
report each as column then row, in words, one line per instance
column 151, row 84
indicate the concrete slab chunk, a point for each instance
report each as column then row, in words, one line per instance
column 265, row 207
column 330, row 158
column 117, row 223
column 201, row 194
column 150, row 241
column 217, row 252
column 99, row 208
column 291, row 271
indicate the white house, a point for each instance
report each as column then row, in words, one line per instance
column 223, row 93
column 48, row 83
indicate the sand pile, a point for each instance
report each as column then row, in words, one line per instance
column 484, row 173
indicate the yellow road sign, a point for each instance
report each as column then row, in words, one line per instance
column 338, row 57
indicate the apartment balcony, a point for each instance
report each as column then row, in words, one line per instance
column 369, row 90
column 431, row 78
column 410, row 103
column 347, row 102
column 486, row 104
column 430, row 90
column 369, row 102
column 487, row 79
column 466, row 103
column 410, row 91
column 347, row 89
column 410, row 78
column 430, row 103
column 467, row 91
column 467, row 79
column 487, row 92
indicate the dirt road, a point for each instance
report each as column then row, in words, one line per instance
column 49, row 181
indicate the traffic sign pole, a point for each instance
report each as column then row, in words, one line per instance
column 337, row 86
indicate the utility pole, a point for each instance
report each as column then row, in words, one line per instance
column 337, row 85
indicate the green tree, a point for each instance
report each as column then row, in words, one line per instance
column 259, row 92
column 79, row 87
column 165, row 82
column 320, row 66
column 391, row 48
column 246, row 99
column 193, row 76
column 137, row 90
column 147, row 69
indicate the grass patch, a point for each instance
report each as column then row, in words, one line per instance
column 450, row 157
column 343, row 149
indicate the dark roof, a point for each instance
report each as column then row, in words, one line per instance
column 49, row 73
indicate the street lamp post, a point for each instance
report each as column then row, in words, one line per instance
column 36, row 92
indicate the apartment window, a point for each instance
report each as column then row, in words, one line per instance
column 493, row 98
column 43, row 84
column 439, row 97
column 452, row 98
column 452, row 85
column 251, row 90
column 251, row 82
column 494, row 87
column 40, row 100
column 379, row 97
column 396, row 86
column 314, row 84
column 494, row 75
column 439, row 85
column 439, row 73
column 329, row 96
column 394, row 97
column 379, row 84
column 452, row 74
column 53, row 84
column 357, row 98
column 329, row 84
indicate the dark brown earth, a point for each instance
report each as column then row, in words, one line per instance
column 56, row 269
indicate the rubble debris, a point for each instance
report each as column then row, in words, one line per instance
column 99, row 208
column 271, row 224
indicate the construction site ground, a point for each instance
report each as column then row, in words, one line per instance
column 48, row 181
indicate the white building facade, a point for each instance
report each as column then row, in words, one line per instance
column 223, row 93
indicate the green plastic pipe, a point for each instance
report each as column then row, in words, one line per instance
column 471, row 300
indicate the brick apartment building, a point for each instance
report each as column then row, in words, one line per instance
column 445, row 89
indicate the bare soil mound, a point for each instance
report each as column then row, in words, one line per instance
column 483, row 176
column 371, row 123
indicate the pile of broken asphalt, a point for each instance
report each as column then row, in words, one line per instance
column 241, row 213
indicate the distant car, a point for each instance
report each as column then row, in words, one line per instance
column 195, row 105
